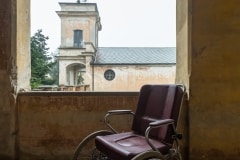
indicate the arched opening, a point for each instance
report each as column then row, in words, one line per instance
column 75, row 74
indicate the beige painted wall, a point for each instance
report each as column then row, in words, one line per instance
column 131, row 78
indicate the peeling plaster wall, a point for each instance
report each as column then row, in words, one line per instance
column 211, row 40
column 51, row 125
column 7, row 102
column 183, row 67
column 14, row 59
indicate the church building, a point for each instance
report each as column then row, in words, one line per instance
column 83, row 65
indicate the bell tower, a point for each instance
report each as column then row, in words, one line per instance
column 80, row 23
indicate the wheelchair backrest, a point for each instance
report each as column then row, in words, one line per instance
column 158, row 102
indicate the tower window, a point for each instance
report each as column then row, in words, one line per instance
column 78, row 39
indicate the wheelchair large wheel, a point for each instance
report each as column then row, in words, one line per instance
column 149, row 155
column 86, row 150
column 175, row 157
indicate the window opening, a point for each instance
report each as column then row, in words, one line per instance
column 78, row 38
column 109, row 75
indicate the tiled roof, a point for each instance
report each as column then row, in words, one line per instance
column 135, row 55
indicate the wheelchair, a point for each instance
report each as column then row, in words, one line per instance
column 153, row 133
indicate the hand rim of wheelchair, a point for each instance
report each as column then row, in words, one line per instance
column 155, row 155
column 87, row 139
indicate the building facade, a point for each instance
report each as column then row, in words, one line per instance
column 128, row 68
column 83, row 63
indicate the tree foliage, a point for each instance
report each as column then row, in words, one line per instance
column 41, row 61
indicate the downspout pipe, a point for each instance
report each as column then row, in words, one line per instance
column 92, row 63
column 93, row 60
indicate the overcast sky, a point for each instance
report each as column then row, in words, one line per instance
column 125, row 23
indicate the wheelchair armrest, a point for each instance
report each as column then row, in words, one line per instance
column 161, row 122
column 120, row 112
column 115, row 112
column 157, row 124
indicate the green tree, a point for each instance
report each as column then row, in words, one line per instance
column 41, row 61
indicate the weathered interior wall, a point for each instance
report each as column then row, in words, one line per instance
column 183, row 67
column 50, row 125
column 7, row 135
column 183, row 27
column 214, row 91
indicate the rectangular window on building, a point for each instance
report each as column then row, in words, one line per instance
column 78, row 39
